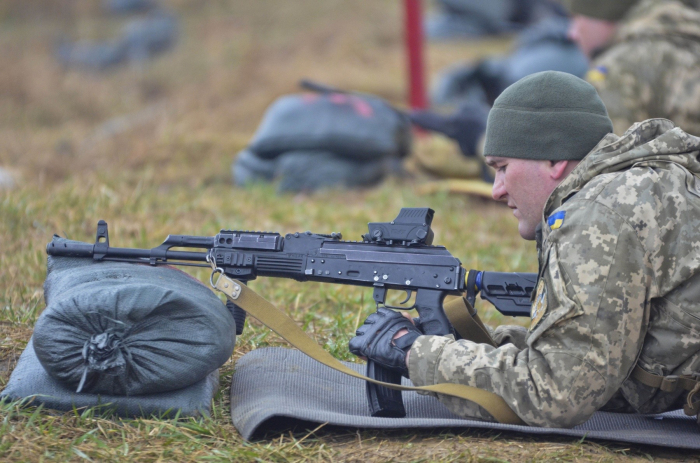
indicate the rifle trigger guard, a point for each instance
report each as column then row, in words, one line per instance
column 409, row 293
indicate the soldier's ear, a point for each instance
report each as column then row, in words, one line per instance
column 558, row 170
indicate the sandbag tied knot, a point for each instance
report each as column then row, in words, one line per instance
column 104, row 352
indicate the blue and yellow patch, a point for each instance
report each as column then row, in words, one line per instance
column 597, row 74
column 539, row 306
column 556, row 220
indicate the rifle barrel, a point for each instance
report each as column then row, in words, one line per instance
column 87, row 250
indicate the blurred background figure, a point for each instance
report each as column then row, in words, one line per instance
column 645, row 58
column 458, row 19
column 129, row 6
column 544, row 46
column 471, row 88
column 642, row 56
column 141, row 39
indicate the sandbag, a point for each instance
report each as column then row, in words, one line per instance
column 250, row 168
column 315, row 170
column 476, row 18
column 129, row 329
column 310, row 170
column 29, row 381
column 141, row 40
column 359, row 127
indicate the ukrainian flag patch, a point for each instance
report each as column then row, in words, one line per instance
column 556, row 220
column 597, row 74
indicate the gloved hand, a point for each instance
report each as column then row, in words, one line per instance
column 375, row 340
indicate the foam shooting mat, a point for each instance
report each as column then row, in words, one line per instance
column 277, row 388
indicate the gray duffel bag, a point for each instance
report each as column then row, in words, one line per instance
column 33, row 386
column 129, row 329
column 318, row 170
column 359, row 127
column 308, row 170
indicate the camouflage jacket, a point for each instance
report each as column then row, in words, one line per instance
column 651, row 69
column 619, row 284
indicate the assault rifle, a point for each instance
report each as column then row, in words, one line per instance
column 396, row 255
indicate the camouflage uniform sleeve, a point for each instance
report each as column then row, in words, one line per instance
column 647, row 79
column 626, row 94
column 585, row 336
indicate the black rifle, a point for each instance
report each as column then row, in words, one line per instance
column 396, row 255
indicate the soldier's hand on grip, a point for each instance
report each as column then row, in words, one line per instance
column 375, row 340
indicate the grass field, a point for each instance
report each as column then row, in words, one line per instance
column 149, row 150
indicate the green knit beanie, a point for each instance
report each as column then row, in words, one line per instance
column 548, row 116
column 608, row 10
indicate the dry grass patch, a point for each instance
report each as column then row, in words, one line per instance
column 149, row 150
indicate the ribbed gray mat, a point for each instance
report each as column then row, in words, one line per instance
column 274, row 385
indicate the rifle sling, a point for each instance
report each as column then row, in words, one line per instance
column 283, row 325
column 466, row 321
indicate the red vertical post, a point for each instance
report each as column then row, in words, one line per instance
column 414, row 51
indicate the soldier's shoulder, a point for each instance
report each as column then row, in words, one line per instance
column 631, row 195
column 618, row 186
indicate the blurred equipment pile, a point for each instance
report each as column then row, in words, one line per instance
column 464, row 93
column 141, row 38
column 458, row 19
column 326, row 139
column 541, row 47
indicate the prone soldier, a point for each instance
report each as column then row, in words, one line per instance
column 615, row 319
column 645, row 56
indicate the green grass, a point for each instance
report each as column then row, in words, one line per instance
column 168, row 172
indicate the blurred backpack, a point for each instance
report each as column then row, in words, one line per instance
column 324, row 139
column 141, row 39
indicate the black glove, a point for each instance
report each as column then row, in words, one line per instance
column 374, row 340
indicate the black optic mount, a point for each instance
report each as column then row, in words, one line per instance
column 411, row 226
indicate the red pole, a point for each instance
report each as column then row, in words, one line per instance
column 414, row 49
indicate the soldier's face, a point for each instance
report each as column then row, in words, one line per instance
column 591, row 34
column 524, row 185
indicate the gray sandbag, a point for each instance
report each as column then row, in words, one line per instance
column 93, row 56
column 29, row 381
column 151, row 35
column 349, row 125
column 297, row 171
column 250, row 168
column 129, row 329
column 460, row 19
column 316, row 170
column 128, row 6
column 444, row 25
column 141, row 40
column 469, row 18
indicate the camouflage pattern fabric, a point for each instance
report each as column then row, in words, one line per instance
column 619, row 283
column 651, row 69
